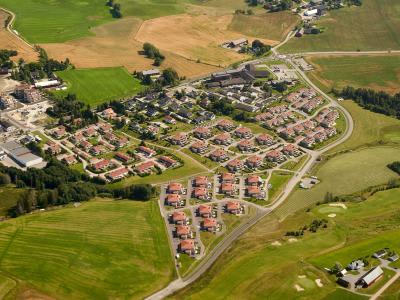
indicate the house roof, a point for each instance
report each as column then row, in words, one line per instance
column 175, row 186
column 200, row 191
column 204, row 209
column 232, row 205
column 201, row 180
column 252, row 190
column 179, row 216
column 182, row 229
column 173, row 198
column 119, row 172
column 253, row 179
column 187, row 245
column 209, row 222
column 227, row 177
column 372, row 275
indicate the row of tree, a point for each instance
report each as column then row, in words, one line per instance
column 380, row 102
column 153, row 52
column 115, row 9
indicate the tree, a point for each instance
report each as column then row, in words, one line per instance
column 5, row 178
column 170, row 77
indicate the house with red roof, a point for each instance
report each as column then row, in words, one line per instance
column 175, row 188
column 234, row 207
column 125, row 158
column 167, row 161
column 225, row 125
column 173, row 200
column 145, row 168
column 199, row 147
column 209, row 224
column 204, row 211
column 117, row 174
column 275, row 156
column 200, row 181
column 254, row 180
column 187, row 246
column 202, row 133
column 179, row 138
column 254, row 161
column 291, row 150
column 179, row 218
column 148, row 152
column 219, row 155
column 223, row 139
column 243, row 133
column 183, row 232
column 101, row 165
column 245, row 145
column 235, row 165
column 227, row 188
column 200, row 193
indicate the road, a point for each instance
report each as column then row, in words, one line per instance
column 9, row 27
column 349, row 53
column 213, row 255
column 387, row 284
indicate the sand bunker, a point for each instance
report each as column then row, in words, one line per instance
column 318, row 282
column 292, row 240
column 332, row 215
column 298, row 288
column 276, row 243
column 342, row 205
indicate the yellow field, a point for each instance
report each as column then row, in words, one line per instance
column 10, row 42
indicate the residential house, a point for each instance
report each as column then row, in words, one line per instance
column 223, row 139
column 101, row 165
column 225, row 125
column 370, row 277
column 243, row 132
column 108, row 114
column 235, row 165
column 291, row 150
column 69, row 160
column 254, row 192
column 148, row 152
column 183, row 232
column 275, row 156
column 265, row 139
column 175, row 188
column 254, row 162
column 200, row 181
column 125, row 158
column 173, row 200
column 145, row 168
column 200, row 193
column 245, row 145
column 204, row 211
column 179, row 218
column 234, row 207
column 227, row 188
column 227, row 177
column 202, row 133
column 117, row 174
column 187, row 246
column 209, row 224
column 179, row 138
column 254, row 180
column 199, row 147
column 167, row 161
column 219, row 155
column 97, row 150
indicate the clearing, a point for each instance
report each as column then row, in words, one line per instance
column 95, row 86
column 99, row 250
column 380, row 72
column 372, row 26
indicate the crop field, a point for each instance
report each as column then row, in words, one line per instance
column 345, row 174
column 369, row 129
column 269, row 26
column 373, row 26
column 381, row 73
column 265, row 264
column 95, row 86
column 8, row 41
column 99, row 250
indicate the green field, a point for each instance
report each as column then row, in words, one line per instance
column 377, row 72
column 99, row 250
column 278, row 181
column 255, row 268
column 369, row 129
column 373, row 26
column 51, row 21
column 95, row 86
column 345, row 174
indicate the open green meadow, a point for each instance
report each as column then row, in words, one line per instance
column 264, row 264
column 372, row 26
column 377, row 72
column 95, row 86
column 99, row 250
column 278, row 181
column 345, row 174
column 369, row 129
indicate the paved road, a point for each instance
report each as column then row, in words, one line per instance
column 387, row 284
column 9, row 27
column 213, row 255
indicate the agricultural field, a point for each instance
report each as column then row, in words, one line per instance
column 95, row 86
column 264, row 263
column 8, row 41
column 101, row 249
column 372, row 26
column 268, row 26
column 381, row 73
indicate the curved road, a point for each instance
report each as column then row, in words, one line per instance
column 213, row 255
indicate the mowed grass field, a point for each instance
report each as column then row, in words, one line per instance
column 95, row 86
column 99, row 250
column 369, row 129
column 257, row 267
column 345, row 174
column 9, row 195
column 381, row 73
column 373, row 26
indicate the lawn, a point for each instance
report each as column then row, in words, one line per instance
column 373, row 26
column 255, row 267
column 95, row 86
column 99, row 250
column 369, row 128
column 278, row 181
column 345, row 174
column 377, row 72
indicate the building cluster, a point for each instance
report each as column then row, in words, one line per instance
column 108, row 154
column 357, row 275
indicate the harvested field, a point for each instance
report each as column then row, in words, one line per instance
column 200, row 37
column 11, row 42
column 113, row 45
column 272, row 26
